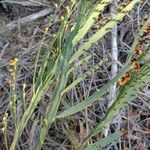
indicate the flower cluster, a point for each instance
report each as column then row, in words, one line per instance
column 147, row 30
column 135, row 65
column 139, row 50
column 126, row 77
column 13, row 62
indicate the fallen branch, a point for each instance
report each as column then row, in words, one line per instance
column 26, row 2
column 24, row 20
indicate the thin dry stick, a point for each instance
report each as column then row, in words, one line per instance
column 114, row 67
column 26, row 2
column 27, row 19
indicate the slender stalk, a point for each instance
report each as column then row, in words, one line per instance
column 27, row 114
column 23, row 97
column 37, row 58
column 114, row 67
column 4, row 129
column 12, row 102
column 52, row 108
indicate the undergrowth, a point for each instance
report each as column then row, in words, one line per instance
column 54, row 74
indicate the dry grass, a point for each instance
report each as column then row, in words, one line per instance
column 23, row 41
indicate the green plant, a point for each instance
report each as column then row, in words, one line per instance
column 55, row 70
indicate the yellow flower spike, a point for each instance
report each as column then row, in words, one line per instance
column 46, row 30
column 13, row 62
column 9, row 82
column 10, row 104
column 3, row 129
column 56, row 5
column 24, row 85
column 73, row 1
column 46, row 122
column 11, row 85
column 6, row 114
column 65, row 23
column 12, row 74
column 68, row 10
column 14, row 98
column 62, row 18
column 4, row 119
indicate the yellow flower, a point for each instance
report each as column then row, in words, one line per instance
column 13, row 74
column 13, row 62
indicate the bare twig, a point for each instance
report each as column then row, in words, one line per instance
column 26, row 2
column 114, row 67
column 27, row 19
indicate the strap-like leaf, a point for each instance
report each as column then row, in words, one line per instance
column 90, row 21
column 107, row 28
column 84, row 75
column 88, row 102
column 128, row 94
column 104, row 142
column 80, row 62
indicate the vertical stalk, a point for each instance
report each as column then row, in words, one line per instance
column 23, row 97
column 12, row 102
column 4, row 129
column 52, row 109
column 114, row 67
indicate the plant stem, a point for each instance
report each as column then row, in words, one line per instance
column 52, row 108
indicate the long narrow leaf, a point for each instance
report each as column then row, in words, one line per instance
column 104, row 142
column 90, row 21
column 129, row 93
column 107, row 28
column 84, row 75
column 88, row 102
column 80, row 62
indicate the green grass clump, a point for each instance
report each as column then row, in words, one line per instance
column 56, row 69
